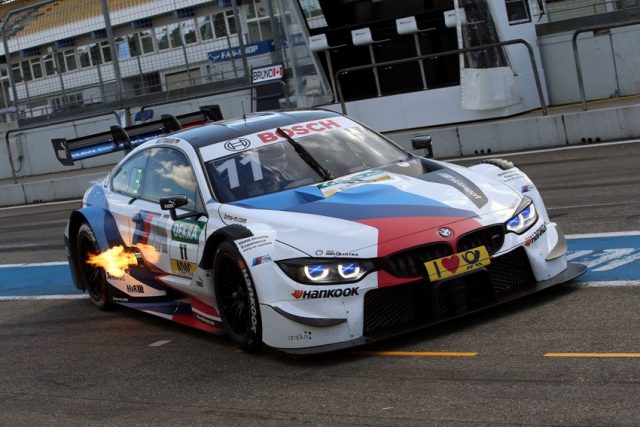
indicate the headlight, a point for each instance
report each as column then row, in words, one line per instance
column 322, row 271
column 524, row 218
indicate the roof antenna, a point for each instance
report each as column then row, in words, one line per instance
column 244, row 116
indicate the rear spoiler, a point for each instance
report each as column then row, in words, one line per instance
column 123, row 139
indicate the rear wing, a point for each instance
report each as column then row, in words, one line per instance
column 118, row 138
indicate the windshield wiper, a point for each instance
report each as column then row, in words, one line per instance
column 304, row 154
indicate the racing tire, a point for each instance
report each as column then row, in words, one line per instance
column 236, row 298
column 91, row 278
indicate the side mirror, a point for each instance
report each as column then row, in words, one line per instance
column 423, row 142
column 172, row 203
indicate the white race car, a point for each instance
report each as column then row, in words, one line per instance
column 303, row 230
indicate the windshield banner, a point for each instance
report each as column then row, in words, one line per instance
column 269, row 136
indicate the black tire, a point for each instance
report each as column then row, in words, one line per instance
column 236, row 297
column 91, row 278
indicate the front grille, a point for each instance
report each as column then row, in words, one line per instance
column 421, row 302
column 410, row 263
column 491, row 237
column 511, row 272
column 389, row 307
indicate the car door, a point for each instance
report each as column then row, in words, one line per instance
column 171, row 246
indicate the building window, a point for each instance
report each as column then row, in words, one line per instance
column 60, row 59
column 146, row 41
column 224, row 24
column 174, row 35
column 26, row 71
column 70, row 59
column 162, row 38
column 49, row 67
column 106, row 51
column 204, row 26
column 258, row 22
column 94, row 53
column 189, row 31
column 17, row 75
column 313, row 13
column 36, row 68
column 84, row 57
column 518, row 11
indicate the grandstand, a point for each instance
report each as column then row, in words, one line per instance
column 62, row 56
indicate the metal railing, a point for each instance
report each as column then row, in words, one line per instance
column 285, row 89
column 532, row 60
column 576, row 54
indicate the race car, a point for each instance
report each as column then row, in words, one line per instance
column 304, row 231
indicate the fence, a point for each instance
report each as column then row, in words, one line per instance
column 447, row 53
column 68, row 56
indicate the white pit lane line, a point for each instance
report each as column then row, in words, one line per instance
column 605, row 264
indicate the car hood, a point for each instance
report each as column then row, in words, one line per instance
column 378, row 208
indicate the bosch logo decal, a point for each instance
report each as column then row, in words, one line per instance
column 237, row 144
column 325, row 293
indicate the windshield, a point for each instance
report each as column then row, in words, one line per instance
column 277, row 166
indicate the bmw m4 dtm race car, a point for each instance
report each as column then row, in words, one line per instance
column 302, row 230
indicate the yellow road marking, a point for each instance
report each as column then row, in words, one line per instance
column 419, row 353
column 599, row 355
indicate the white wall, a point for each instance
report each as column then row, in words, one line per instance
column 610, row 64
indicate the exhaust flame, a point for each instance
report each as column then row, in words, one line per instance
column 114, row 261
column 149, row 253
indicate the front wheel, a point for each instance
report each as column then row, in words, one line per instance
column 91, row 278
column 236, row 298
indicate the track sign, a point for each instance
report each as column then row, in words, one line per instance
column 267, row 73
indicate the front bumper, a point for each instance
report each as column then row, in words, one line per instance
column 406, row 310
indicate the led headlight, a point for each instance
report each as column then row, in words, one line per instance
column 525, row 216
column 322, row 271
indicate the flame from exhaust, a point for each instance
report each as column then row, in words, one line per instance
column 149, row 253
column 114, row 260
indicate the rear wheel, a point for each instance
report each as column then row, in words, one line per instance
column 236, row 298
column 91, row 278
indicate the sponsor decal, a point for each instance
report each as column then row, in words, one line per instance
column 120, row 299
column 300, row 130
column 253, row 242
column 325, row 293
column 252, row 300
column 331, row 252
column 261, row 260
column 535, row 235
column 404, row 164
column 330, row 188
column 187, row 231
column 168, row 141
column 510, row 175
column 135, row 289
column 183, row 268
column 304, row 336
column 319, row 252
column 445, row 232
column 464, row 187
column 267, row 73
column 111, row 277
column 526, row 188
column 233, row 218
column 460, row 182
column 458, row 263
column 237, row 144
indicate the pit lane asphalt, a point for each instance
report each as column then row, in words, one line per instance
column 62, row 362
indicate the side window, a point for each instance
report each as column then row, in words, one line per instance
column 128, row 179
column 169, row 173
